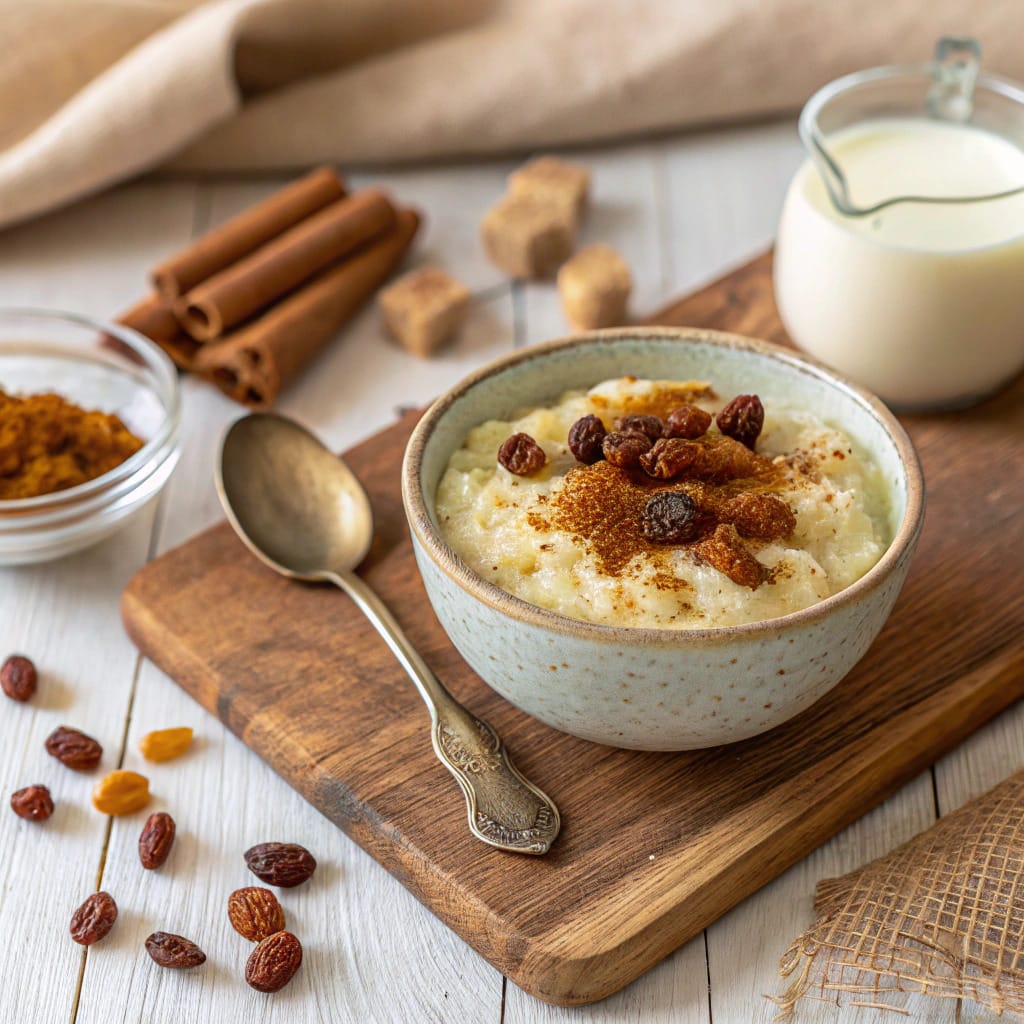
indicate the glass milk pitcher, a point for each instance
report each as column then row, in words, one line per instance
column 900, row 255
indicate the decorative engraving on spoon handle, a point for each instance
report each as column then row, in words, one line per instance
column 505, row 809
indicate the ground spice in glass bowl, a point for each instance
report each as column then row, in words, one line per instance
column 48, row 444
column 89, row 431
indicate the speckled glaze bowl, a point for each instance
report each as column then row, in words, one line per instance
column 658, row 689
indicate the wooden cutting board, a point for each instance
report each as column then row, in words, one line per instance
column 654, row 847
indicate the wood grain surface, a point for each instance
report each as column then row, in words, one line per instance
column 654, row 846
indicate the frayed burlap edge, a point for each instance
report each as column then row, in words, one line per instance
column 941, row 915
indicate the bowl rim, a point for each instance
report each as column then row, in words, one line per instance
column 39, row 507
column 516, row 608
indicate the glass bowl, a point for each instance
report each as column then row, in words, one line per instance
column 98, row 366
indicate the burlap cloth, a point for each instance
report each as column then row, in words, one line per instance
column 943, row 915
column 94, row 91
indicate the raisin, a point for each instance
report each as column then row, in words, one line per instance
column 521, row 455
column 74, row 749
column 724, row 551
column 273, row 963
column 762, row 516
column 282, row 864
column 670, row 517
column 93, row 919
column 649, row 425
column 585, row 437
column 255, row 913
column 722, row 458
column 174, row 951
column 742, row 419
column 688, row 421
column 18, row 677
column 33, row 803
column 156, row 840
column 669, row 458
column 624, row 448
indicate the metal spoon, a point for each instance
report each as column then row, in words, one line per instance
column 302, row 511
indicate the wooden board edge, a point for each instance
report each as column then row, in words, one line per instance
column 548, row 968
column 982, row 694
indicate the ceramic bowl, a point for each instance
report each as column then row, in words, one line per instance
column 658, row 689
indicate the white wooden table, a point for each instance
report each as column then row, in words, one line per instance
column 681, row 210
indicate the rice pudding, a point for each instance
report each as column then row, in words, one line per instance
column 659, row 504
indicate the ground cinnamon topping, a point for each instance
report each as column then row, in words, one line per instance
column 603, row 505
column 48, row 444
column 659, row 401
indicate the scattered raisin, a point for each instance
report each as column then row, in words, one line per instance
column 93, row 919
column 273, row 963
column 742, row 419
column 33, row 803
column 721, row 458
column 688, row 421
column 74, row 749
column 624, row 448
column 669, row 458
column 255, row 913
column 121, row 792
column 724, row 551
column 174, row 951
column 521, row 455
column 156, row 839
column 762, row 516
column 585, row 437
column 670, row 517
column 281, row 864
column 18, row 677
column 645, row 424
column 165, row 744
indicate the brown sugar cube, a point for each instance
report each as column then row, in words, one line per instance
column 547, row 177
column 594, row 286
column 424, row 308
column 528, row 237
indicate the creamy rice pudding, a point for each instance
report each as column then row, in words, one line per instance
column 661, row 504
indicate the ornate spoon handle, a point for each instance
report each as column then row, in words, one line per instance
column 505, row 810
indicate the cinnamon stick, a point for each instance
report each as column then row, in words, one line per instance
column 255, row 281
column 247, row 231
column 254, row 363
column 154, row 318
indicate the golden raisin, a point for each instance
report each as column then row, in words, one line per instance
column 687, row 421
column 724, row 551
column 763, row 516
column 165, row 744
column 121, row 792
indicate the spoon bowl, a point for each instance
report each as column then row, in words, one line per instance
column 295, row 504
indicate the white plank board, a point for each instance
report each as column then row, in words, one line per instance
column 673, row 992
column 745, row 946
column 64, row 615
column 724, row 192
column 453, row 201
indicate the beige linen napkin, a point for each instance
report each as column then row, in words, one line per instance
column 94, row 91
